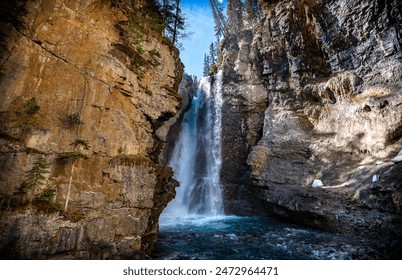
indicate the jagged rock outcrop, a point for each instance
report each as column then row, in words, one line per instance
column 314, row 91
column 84, row 87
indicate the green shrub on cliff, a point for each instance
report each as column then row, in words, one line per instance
column 47, row 194
column 35, row 176
column 147, row 20
column 31, row 106
column 25, row 112
column 45, row 201
column 81, row 143
column 74, row 119
column 76, row 154
column 71, row 156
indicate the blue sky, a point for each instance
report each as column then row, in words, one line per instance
column 201, row 23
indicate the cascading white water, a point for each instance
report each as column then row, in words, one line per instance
column 196, row 158
column 197, row 210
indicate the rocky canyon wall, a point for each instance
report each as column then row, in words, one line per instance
column 86, row 87
column 313, row 91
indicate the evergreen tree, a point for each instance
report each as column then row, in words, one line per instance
column 234, row 16
column 194, row 84
column 174, row 19
column 216, row 46
column 178, row 25
column 207, row 65
column 219, row 18
column 166, row 8
column 35, row 176
column 212, row 54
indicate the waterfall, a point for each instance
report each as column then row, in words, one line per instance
column 196, row 158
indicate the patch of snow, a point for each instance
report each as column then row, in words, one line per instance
column 317, row 184
column 398, row 158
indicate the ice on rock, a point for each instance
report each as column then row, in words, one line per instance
column 398, row 158
column 317, row 184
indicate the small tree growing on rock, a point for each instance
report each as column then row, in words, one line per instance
column 35, row 177
column 31, row 106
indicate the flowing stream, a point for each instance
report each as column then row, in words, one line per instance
column 193, row 226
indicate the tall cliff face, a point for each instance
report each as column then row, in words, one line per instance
column 314, row 91
column 85, row 90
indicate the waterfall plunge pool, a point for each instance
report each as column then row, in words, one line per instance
column 250, row 238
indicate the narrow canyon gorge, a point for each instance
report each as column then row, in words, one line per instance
column 299, row 119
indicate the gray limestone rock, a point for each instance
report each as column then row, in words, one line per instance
column 314, row 90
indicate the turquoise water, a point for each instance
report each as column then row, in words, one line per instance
column 251, row 238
